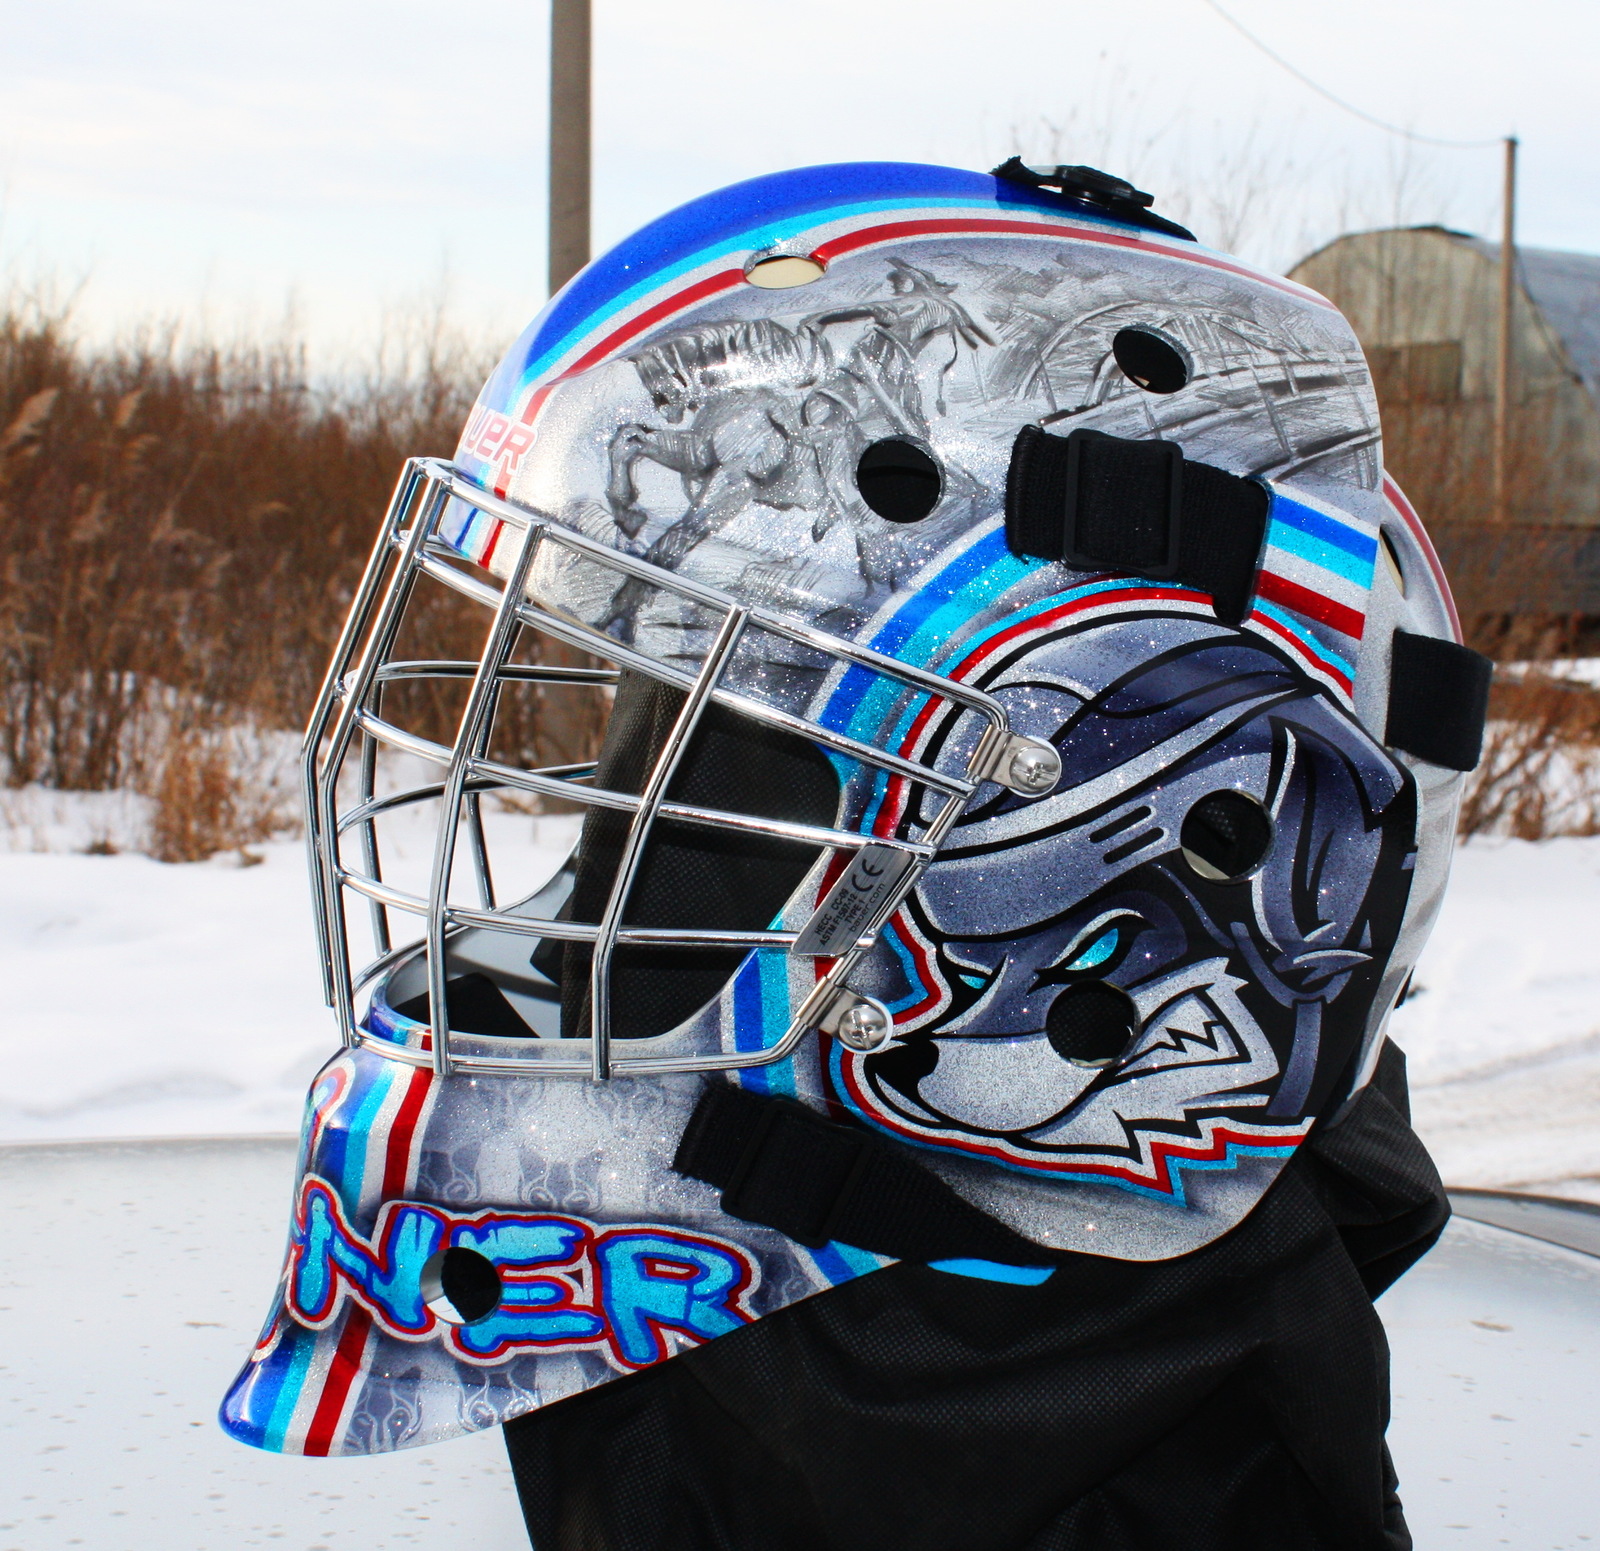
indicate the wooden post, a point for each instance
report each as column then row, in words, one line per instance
column 1502, row 376
column 569, row 140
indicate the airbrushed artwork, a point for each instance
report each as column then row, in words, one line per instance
column 1081, row 883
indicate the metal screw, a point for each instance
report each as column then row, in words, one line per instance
column 1034, row 770
column 864, row 1026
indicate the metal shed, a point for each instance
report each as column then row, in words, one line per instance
column 1424, row 302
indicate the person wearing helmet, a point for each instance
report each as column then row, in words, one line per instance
column 942, row 1101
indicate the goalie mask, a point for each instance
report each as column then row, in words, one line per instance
column 1009, row 729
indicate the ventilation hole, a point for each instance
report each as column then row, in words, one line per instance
column 1225, row 836
column 1148, row 360
column 1090, row 1023
column 898, row 481
column 783, row 272
column 1392, row 556
column 460, row 1285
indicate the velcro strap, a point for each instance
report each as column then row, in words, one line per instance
column 784, row 1166
column 1109, row 502
column 1438, row 700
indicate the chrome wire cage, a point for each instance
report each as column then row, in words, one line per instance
column 348, row 714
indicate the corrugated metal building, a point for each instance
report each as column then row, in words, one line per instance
column 1425, row 303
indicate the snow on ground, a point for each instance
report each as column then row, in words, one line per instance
column 1503, row 1035
column 152, row 1000
column 145, row 999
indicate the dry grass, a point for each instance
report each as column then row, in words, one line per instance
column 180, row 531
column 1540, row 773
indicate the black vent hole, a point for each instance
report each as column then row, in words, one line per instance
column 460, row 1285
column 1391, row 557
column 1149, row 360
column 1225, row 836
column 898, row 480
column 1091, row 1023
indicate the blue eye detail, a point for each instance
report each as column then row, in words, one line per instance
column 977, row 982
column 1096, row 953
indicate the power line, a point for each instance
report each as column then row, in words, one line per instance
column 1339, row 102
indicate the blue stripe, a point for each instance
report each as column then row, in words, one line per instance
column 353, row 1165
column 1298, row 630
column 752, row 215
column 993, row 1271
column 922, row 990
column 1319, row 552
column 765, row 210
column 761, row 1016
column 1319, row 525
column 844, row 1262
column 923, row 623
column 298, row 1344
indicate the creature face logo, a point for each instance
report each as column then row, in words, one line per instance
column 1224, row 869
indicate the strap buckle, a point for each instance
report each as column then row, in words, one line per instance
column 1144, row 480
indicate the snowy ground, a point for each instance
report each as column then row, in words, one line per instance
column 1504, row 1034
column 144, row 999
column 151, row 1000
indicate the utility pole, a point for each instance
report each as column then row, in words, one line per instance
column 569, row 140
column 1502, row 377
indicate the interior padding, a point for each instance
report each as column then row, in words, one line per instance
column 690, row 875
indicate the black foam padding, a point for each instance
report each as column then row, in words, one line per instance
column 1098, row 500
column 689, row 876
column 471, row 1283
column 474, row 1004
column 898, row 480
column 1229, row 830
column 1233, row 1399
column 1438, row 700
column 1091, row 1022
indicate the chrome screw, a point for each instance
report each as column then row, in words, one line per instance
column 864, row 1026
column 1034, row 770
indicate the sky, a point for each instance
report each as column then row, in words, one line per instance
column 337, row 169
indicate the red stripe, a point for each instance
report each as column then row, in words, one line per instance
column 724, row 280
column 1291, row 595
column 895, row 231
column 347, row 1366
column 1162, row 1153
column 1408, row 513
column 343, row 1372
column 494, row 538
column 1338, row 675
column 397, row 1157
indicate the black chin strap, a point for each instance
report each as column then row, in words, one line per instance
column 784, row 1166
column 1103, row 502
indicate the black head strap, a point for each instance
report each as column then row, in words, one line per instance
column 784, row 1166
column 1438, row 700
column 1102, row 502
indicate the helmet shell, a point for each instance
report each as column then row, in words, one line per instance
column 672, row 406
